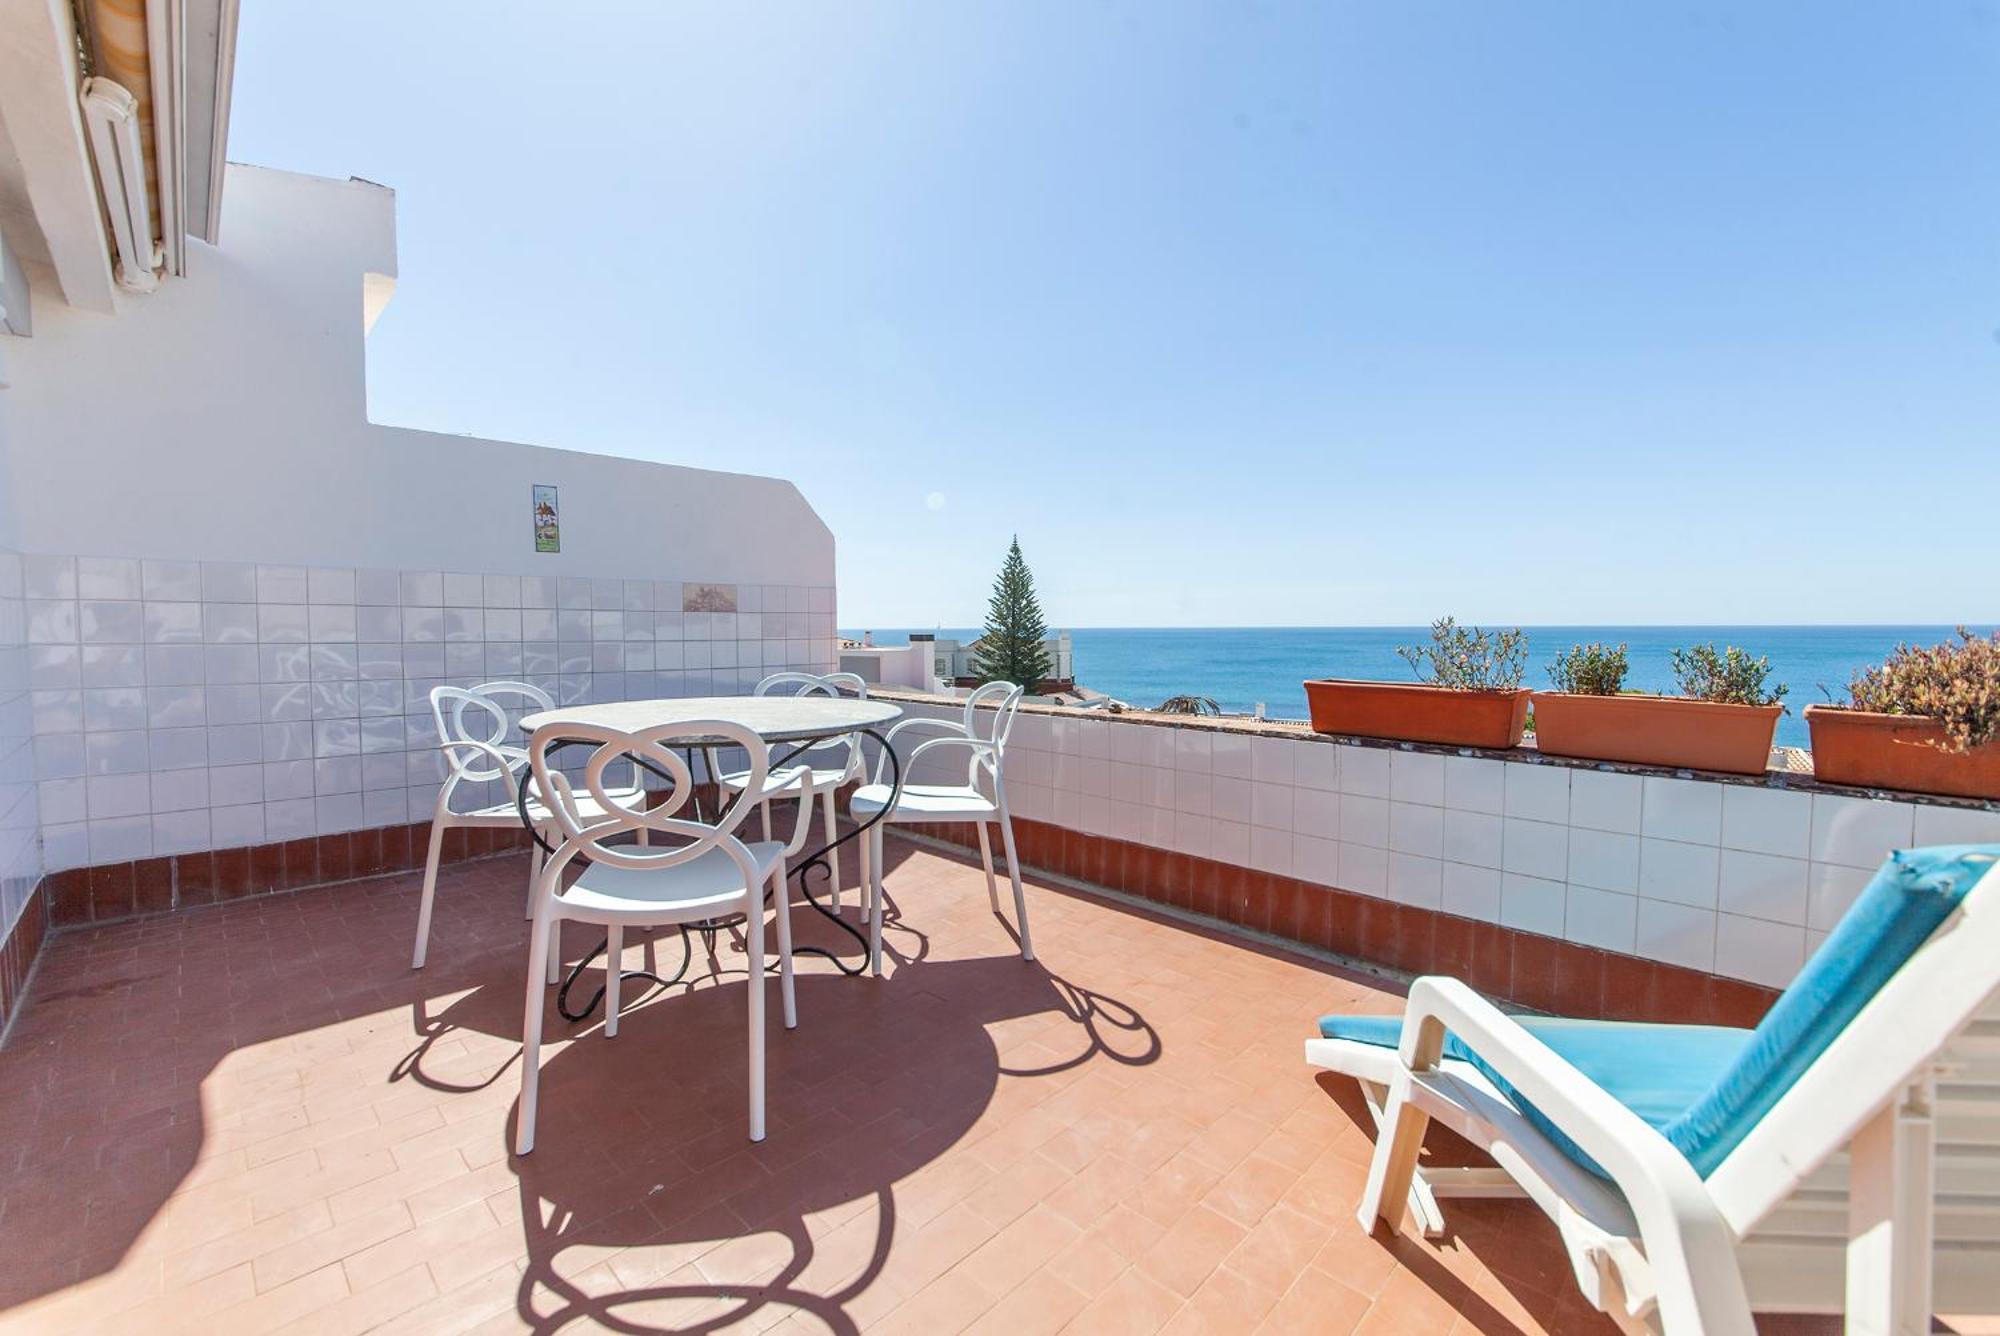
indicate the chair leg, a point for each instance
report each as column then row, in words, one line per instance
column 614, row 959
column 535, row 860
column 531, row 1040
column 555, row 953
column 1020, row 896
column 875, row 897
column 864, row 845
column 1399, row 1140
column 430, row 892
column 764, row 812
column 785, row 988
column 986, row 860
column 754, row 939
column 832, row 850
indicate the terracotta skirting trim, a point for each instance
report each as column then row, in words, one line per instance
column 1544, row 973
column 17, row 953
column 180, row 881
column 159, row 885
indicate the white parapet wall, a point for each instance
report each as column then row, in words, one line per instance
column 1738, row 878
column 235, row 591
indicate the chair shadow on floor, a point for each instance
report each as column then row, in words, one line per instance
column 644, row 1207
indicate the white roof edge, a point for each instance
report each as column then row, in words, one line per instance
column 211, row 73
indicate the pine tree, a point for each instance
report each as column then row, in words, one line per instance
column 1011, row 648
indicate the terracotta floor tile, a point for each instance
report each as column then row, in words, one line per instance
column 951, row 1303
column 1038, row 1306
column 365, row 1310
column 1171, row 1189
column 1316, row 1302
column 1226, row 1303
column 1278, row 1250
column 327, row 1247
column 1018, row 1251
column 1253, row 1187
column 1191, row 1249
column 1088, row 1266
column 1134, row 1304
column 276, row 1123
column 278, row 1308
column 1408, row 1305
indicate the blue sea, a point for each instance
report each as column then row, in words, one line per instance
column 1242, row 666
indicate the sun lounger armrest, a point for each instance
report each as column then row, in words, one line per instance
column 1605, row 1129
column 1668, row 1198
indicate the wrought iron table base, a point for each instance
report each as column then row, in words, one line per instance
column 818, row 858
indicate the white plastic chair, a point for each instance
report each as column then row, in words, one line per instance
column 982, row 798
column 1821, row 1167
column 478, row 757
column 705, row 873
column 831, row 763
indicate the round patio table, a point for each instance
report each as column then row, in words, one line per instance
column 802, row 721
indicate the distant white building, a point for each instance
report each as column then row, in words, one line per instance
column 944, row 661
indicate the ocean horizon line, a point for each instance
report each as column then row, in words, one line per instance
column 1244, row 667
column 1950, row 625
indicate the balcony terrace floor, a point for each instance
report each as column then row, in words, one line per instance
column 255, row 1116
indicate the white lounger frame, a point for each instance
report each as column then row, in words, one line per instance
column 1872, row 1187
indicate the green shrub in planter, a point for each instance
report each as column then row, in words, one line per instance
column 1590, row 670
column 1466, row 658
column 1956, row 683
column 1726, row 677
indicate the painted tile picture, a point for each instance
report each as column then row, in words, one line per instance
column 548, row 520
column 708, row 597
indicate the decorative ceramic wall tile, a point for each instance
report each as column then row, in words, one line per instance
column 186, row 705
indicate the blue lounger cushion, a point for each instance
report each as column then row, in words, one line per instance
column 1704, row 1087
column 1657, row 1071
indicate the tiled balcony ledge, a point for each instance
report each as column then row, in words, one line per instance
column 1796, row 776
column 1410, row 856
column 1398, row 941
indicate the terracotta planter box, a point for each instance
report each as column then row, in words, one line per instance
column 1657, row 730
column 1412, row 712
column 1897, row 751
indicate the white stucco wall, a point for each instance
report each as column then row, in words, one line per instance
column 224, row 418
column 235, row 592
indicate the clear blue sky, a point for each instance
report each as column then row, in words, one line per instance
column 1317, row 313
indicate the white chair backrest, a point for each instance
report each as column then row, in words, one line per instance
column 490, row 711
column 1005, row 698
column 624, row 813
column 813, row 684
column 828, row 684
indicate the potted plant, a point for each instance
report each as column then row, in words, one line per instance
column 1926, row 721
column 1469, row 693
column 1724, row 718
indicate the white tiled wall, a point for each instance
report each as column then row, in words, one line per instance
column 20, row 860
column 178, row 706
column 1736, row 879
